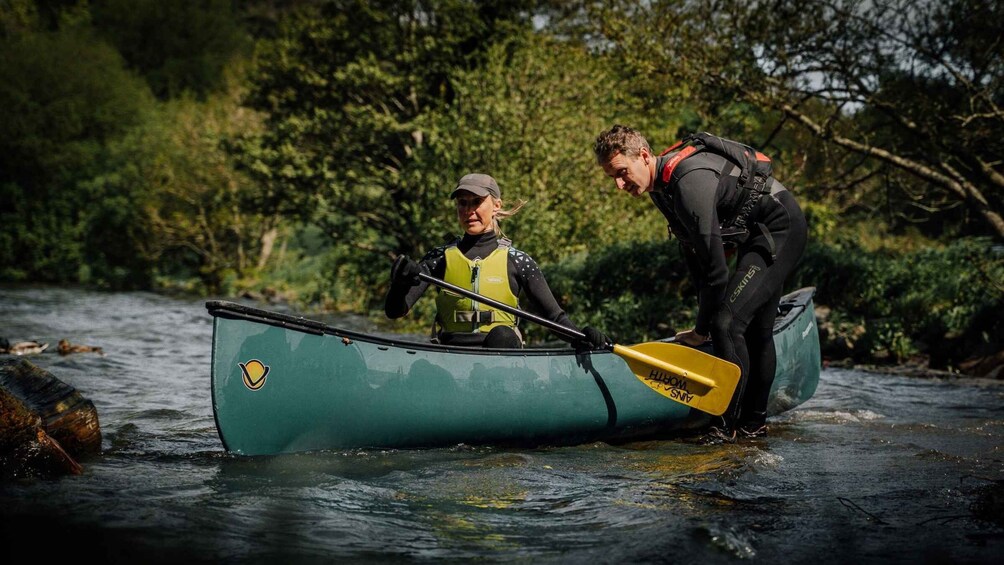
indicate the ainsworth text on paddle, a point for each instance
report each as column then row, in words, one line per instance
column 676, row 386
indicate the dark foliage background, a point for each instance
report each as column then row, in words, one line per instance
column 293, row 149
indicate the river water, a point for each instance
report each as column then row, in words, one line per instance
column 874, row 468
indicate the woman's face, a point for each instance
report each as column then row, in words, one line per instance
column 476, row 212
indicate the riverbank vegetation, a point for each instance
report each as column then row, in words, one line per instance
column 290, row 150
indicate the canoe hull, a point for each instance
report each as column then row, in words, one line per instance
column 282, row 384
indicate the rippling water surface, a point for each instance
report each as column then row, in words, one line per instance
column 875, row 467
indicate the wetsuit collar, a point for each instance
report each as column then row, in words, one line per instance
column 487, row 240
column 658, row 185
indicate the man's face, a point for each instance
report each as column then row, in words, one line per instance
column 632, row 174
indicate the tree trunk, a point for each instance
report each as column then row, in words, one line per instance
column 267, row 241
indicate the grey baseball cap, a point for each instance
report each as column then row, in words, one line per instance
column 478, row 183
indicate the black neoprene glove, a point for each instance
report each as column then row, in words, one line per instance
column 405, row 271
column 595, row 339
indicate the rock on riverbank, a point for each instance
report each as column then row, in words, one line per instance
column 45, row 424
column 847, row 344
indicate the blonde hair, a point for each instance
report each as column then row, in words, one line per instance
column 503, row 214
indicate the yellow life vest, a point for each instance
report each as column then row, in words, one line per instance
column 487, row 277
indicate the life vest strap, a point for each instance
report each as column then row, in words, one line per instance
column 754, row 181
column 474, row 316
column 672, row 162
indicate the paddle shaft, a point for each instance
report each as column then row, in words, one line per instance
column 569, row 332
column 553, row 326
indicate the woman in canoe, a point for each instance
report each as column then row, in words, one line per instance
column 484, row 261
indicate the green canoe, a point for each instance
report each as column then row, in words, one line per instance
column 284, row 384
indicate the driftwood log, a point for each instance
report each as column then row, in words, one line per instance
column 45, row 424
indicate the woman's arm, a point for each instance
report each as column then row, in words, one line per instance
column 403, row 294
column 530, row 280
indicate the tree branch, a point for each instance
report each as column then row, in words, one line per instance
column 954, row 181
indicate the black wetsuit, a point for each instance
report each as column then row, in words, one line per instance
column 525, row 278
column 737, row 310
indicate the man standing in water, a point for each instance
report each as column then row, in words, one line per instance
column 718, row 194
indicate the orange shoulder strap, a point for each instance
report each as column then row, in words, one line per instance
column 672, row 162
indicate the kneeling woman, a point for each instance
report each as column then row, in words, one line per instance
column 486, row 263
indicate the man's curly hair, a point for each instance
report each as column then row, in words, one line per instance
column 619, row 139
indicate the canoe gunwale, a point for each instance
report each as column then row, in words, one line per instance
column 234, row 311
column 791, row 304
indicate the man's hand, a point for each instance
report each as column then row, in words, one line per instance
column 691, row 338
column 405, row 272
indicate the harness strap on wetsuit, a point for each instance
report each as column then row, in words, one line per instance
column 770, row 240
column 751, row 188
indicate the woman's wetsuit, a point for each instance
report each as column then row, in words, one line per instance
column 524, row 277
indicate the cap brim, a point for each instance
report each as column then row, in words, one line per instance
column 478, row 190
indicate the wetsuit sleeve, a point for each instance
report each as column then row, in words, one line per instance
column 690, row 258
column 697, row 207
column 400, row 298
column 525, row 276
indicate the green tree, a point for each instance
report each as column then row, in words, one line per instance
column 66, row 97
column 529, row 115
column 375, row 110
column 203, row 211
column 905, row 94
column 350, row 90
column 197, row 213
column 18, row 16
column 177, row 45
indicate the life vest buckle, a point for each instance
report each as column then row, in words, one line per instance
column 474, row 316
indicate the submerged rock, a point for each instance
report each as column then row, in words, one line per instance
column 989, row 366
column 45, row 424
column 989, row 503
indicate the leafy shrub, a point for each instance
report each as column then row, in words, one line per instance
column 942, row 301
column 632, row 291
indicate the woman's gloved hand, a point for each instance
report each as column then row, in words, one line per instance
column 595, row 340
column 405, row 271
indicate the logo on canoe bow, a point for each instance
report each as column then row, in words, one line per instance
column 254, row 373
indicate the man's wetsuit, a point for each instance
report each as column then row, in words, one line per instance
column 737, row 310
column 524, row 277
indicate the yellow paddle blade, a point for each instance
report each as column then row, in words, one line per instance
column 684, row 374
